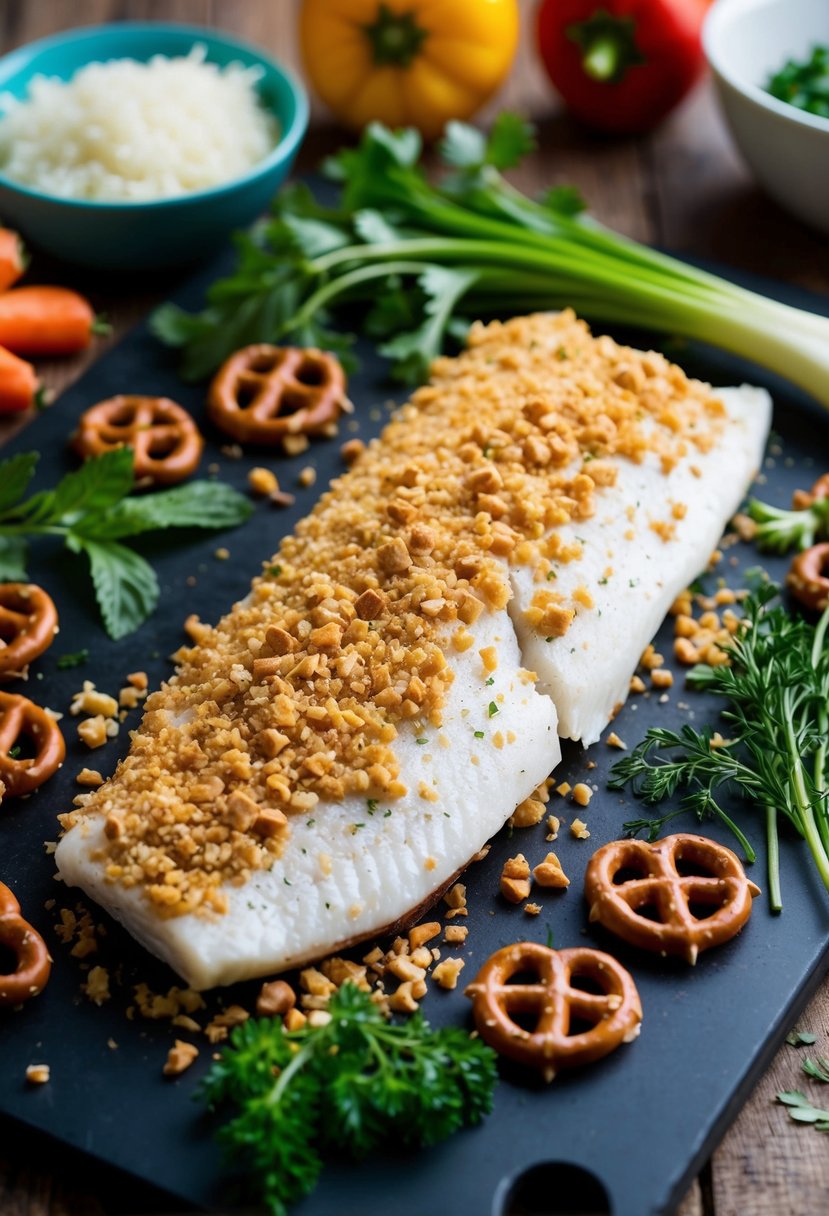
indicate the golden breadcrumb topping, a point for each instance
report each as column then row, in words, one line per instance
column 298, row 694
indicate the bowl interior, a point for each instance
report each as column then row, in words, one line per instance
column 749, row 40
column 64, row 54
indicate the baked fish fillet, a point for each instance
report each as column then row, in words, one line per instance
column 332, row 753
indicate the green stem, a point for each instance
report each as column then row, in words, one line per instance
column 804, row 805
column 773, row 860
column 601, row 62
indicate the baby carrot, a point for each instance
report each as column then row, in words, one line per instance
column 12, row 258
column 18, row 383
column 45, row 321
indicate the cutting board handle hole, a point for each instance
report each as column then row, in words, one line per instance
column 552, row 1188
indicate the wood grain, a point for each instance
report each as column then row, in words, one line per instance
column 685, row 188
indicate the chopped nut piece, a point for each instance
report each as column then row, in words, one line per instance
column 528, row 813
column 89, row 776
column 403, row 1001
column 563, row 788
column 179, row 1058
column 393, row 556
column 93, row 731
column 455, row 897
column 613, row 740
column 269, row 822
column 582, row 793
column 281, row 498
column 446, row 973
column 549, row 873
column 553, row 824
column 295, row 445
column 533, row 909
column 351, row 450
column 662, row 678
column 370, row 604
column 423, row 933
column 96, row 987
column 295, row 1019
column 138, row 679
column 455, row 934
column 275, row 999
column 515, row 879
column 307, row 476
column 579, row 829
column 262, row 481
column 37, row 1074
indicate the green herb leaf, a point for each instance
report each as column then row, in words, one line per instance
column 817, row 1069
column 15, row 475
column 802, row 1111
column 350, row 1086
column 197, row 504
column 126, row 587
column 74, row 659
column 800, row 1038
column 14, row 554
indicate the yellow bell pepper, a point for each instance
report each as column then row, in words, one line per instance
column 407, row 62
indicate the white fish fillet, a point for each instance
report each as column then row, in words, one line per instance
column 379, row 872
column 587, row 671
column 350, row 870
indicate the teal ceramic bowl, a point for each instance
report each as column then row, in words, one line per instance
column 168, row 232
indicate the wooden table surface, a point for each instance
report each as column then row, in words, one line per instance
column 683, row 187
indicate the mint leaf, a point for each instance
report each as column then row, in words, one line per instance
column 126, row 587
column 198, row 504
column 95, row 486
column 412, row 352
column 13, row 555
column 15, row 475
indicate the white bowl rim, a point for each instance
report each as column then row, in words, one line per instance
column 710, row 32
column 285, row 147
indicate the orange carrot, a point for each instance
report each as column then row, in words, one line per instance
column 19, row 386
column 12, row 258
column 45, row 321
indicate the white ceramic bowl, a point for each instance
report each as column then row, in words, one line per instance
column 746, row 41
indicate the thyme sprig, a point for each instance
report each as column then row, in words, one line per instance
column 776, row 694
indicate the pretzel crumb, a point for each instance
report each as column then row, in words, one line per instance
column 37, row 1074
column 179, row 1058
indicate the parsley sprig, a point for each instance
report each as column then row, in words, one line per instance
column 91, row 511
column 779, row 530
column 348, row 1086
column 804, row 83
column 776, row 694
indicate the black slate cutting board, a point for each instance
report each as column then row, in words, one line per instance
column 640, row 1124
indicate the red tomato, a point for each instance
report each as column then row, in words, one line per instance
column 621, row 65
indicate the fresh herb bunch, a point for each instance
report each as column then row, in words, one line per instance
column 347, row 1087
column 411, row 262
column 776, row 693
column 804, row 83
column 90, row 509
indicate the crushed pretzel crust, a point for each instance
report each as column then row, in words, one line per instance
column 297, row 696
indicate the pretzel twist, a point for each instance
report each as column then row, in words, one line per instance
column 33, row 963
column 263, row 393
column 806, row 578
column 28, row 624
column 166, row 442
column 661, row 886
column 614, row 1013
column 21, row 717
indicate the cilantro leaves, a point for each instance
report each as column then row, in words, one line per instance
column 90, row 510
column 347, row 1087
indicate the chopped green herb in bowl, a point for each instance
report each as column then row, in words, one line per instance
column 804, row 83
